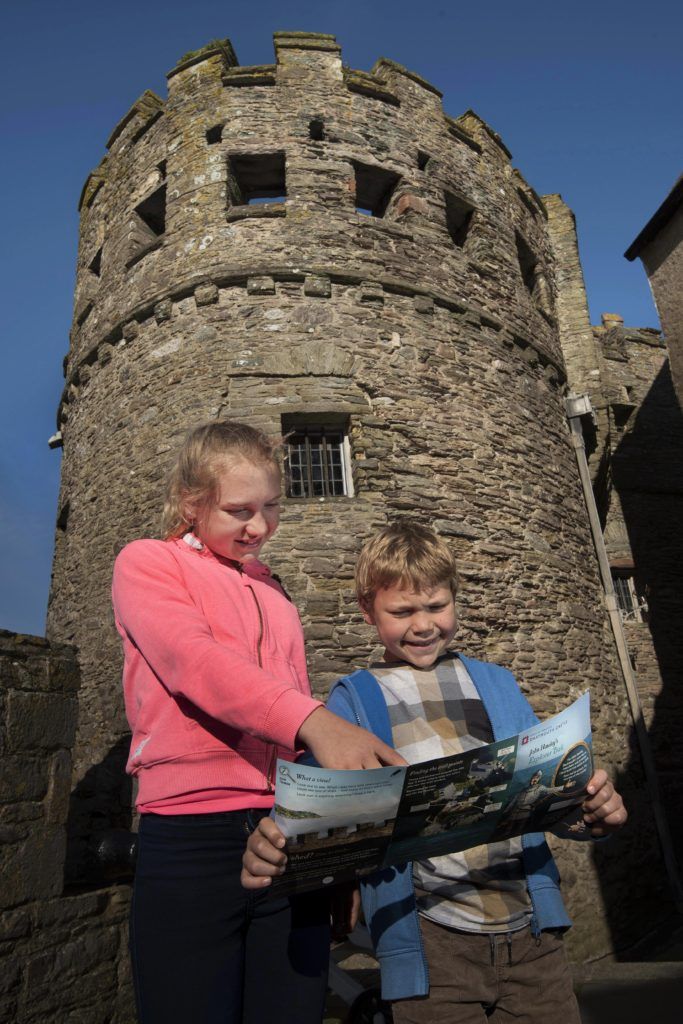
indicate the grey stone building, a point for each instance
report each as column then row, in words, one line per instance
column 660, row 248
column 327, row 254
column 639, row 486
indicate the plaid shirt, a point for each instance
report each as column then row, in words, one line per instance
column 434, row 713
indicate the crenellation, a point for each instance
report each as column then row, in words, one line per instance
column 404, row 80
column 219, row 52
column 150, row 258
column 305, row 41
column 254, row 75
column 475, row 126
column 146, row 108
column 92, row 185
column 370, row 85
column 457, row 132
column 529, row 197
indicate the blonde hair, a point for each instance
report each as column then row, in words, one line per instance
column 406, row 554
column 193, row 480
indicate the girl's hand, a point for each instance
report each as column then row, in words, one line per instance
column 264, row 857
column 336, row 743
column 603, row 807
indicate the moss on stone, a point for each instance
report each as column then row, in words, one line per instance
column 214, row 44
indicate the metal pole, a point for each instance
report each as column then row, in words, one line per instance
column 578, row 406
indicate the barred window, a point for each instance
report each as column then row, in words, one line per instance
column 317, row 464
column 629, row 603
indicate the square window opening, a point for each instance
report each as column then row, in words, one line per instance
column 375, row 187
column 256, row 178
column 161, row 167
column 317, row 457
column 270, row 198
column 214, row 135
column 422, row 159
column 527, row 264
column 63, row 517
column 533, row 277
column 630, row 604
column 152, row 212
column 622, row 414
column 95, row 265
column 458, row 218
column 316, row 129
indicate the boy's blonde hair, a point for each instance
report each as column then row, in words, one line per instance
column 193, row 480
column 406, row 554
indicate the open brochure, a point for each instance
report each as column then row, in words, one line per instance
column 345, row 824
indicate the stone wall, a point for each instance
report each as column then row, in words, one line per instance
column 582, row 354
column 660, row 247
column 643, row 535
column 430, row 330
column 633, row 442
column 60, row 954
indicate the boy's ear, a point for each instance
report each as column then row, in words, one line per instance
column 366, row 612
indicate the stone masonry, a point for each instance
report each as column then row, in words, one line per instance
column 643, row 510
column 225, row 269
column 660, row 248
column 61, row 953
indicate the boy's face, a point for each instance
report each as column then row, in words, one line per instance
column 414, row 627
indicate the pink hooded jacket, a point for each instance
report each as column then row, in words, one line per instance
column 214, row 676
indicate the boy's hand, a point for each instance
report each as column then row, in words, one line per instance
column 264, row 857
column 603, row 807
column 336, row 743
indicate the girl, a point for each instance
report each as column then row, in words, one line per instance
column 216, row 690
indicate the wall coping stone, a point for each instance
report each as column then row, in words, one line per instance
column 369, row 85
column 459, row 133
column 305, row 41
column 392, row 65
column 218, row 47
column 148, row 105
column 254, row 74
column 493, row 135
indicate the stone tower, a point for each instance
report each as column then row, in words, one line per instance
column 325, row 252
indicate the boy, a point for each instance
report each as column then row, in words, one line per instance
column 487, row 921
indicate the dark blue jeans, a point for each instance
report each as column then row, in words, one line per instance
column 207, row 951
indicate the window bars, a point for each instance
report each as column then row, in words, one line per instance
column 316, row 463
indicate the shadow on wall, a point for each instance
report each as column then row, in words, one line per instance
column 99, row 821
column 631, row 1002
column 647, row 476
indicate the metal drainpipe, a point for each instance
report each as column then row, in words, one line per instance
column 578, row 406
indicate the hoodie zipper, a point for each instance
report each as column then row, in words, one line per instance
column 269, row 772
column 259, row 640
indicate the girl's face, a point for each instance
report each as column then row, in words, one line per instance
column 246, row 513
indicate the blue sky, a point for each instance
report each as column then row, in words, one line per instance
column 587, row 97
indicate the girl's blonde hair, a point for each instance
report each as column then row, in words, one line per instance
column 193, row 480
column 404, row 554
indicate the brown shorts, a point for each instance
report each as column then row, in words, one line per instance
column 476, row 978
